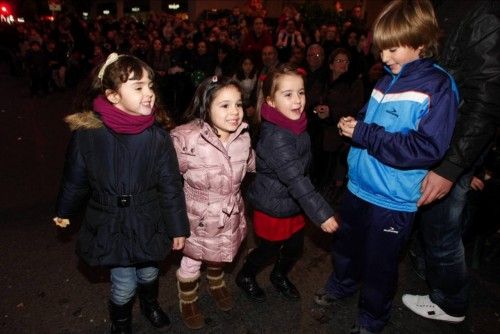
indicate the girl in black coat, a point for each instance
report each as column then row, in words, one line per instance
column 282, row 193
column 122, row 164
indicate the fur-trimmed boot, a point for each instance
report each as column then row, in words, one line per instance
column 188, row 302
column 280, row 280
column 148, row 298
column 121, row 317
column 218, row 289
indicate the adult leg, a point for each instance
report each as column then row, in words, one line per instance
column 441, row 226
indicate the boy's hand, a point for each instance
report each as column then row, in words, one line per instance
column 61, row 222
column 178, row 243
column 330, row 225
column 346, row 126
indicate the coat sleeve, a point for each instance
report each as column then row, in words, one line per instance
column 419, row 148
column 478, row 76
column 74, row 188
column 173, row 202
column 282, row 157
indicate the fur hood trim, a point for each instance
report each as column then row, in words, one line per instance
column 83, row 120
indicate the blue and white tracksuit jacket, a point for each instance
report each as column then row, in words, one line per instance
column 403, row 130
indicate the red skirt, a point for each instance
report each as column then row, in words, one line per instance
column 276, row 229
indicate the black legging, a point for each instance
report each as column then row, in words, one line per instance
column 266, row 250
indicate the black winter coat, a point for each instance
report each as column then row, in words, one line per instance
column 282, row 187
column 133, row 190
column 471, row 54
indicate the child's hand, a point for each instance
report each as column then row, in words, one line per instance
column 178, row 243
column 330, row 225
column 346, row 126
column 61, row 222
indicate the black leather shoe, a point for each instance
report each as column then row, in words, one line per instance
column 284, row 286
column 249, row 285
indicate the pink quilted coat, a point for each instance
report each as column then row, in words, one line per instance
column 212, row 178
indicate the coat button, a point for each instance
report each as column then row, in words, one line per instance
column 200, row 224
column 184, row 148
column 192, row 150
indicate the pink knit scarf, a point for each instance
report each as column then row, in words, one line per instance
column 119, row 121
column 272, row 115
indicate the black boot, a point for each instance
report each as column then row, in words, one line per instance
column 246, row 281
column 148, row 298
column 121, row 318
column 281, row 282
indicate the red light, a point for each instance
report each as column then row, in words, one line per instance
column 5, row 9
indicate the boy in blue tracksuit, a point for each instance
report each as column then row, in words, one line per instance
column 404, row 130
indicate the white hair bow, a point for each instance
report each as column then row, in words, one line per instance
column 111, row 59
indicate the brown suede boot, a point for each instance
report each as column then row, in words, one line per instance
column 188, row 302
column 218, row 289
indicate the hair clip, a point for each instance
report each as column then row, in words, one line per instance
column 111, row 59
column 301, row 71
column 215, row 79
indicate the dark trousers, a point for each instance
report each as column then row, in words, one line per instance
column 266, row 250
column 367, row 249
column 440, row 226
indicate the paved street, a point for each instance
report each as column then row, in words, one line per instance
column 45, row 289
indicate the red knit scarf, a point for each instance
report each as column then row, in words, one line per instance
column 272, row 115
column 118, row 120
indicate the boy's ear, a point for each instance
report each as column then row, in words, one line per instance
column 112, row 96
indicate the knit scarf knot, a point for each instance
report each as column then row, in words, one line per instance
column 118, row 120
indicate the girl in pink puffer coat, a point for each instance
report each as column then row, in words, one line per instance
column 214, row 153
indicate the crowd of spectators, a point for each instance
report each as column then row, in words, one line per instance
column 58, row 54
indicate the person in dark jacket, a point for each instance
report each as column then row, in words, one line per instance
column 282, row 193
column 472, row 57
column 123, row 166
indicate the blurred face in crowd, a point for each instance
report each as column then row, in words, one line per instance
column 356, row 12
column 157, row 45
column 340, row 64
column 331, row 33
column 247, row 66
column 202, row 48
column 269, row 56
column 290, row 26
column 258, row 25
column 315, row 56
column 177, row 43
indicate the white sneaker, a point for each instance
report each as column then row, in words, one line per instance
column 423, row 306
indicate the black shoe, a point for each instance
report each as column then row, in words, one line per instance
column 249, row 285
column 149, row 305
column 283, row 285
